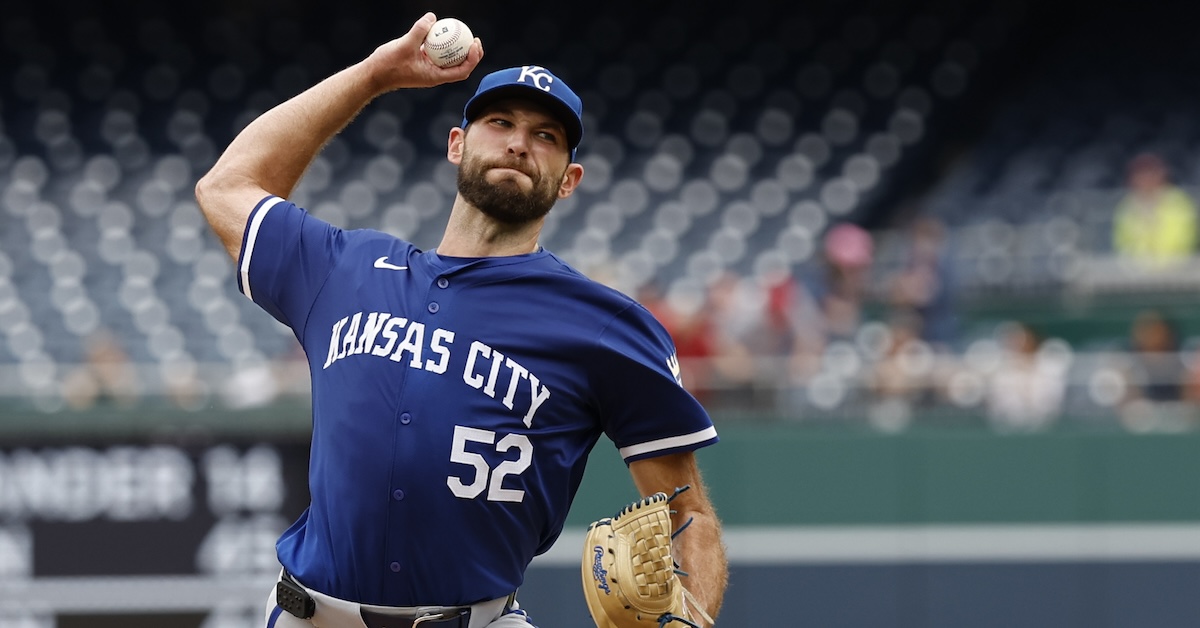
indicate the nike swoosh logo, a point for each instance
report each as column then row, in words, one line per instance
column 383, row 263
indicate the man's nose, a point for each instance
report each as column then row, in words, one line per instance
column 518, row 144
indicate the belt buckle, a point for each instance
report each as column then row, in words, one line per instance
column 438, row 618
column 451, row 618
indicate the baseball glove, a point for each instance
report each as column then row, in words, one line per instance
column 629, row 577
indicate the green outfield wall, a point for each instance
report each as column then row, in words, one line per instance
column 790, row 475
column 795, row 474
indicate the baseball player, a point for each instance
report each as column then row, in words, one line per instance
column 456, row 392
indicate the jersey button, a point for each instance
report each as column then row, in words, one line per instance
column 434, row 307
column 405, row 418
column 395, row 567
column 443, row 282
column 397, row 494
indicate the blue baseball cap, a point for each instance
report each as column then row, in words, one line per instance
column 534, row 82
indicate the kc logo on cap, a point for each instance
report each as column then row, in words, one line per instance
column 538, row 74
column 537, row 83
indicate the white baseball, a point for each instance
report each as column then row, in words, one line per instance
column 448, row 42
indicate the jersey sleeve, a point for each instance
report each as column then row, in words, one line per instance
column 286, row 257
column 644, row 407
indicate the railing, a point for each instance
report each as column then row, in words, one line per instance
column 865, row 381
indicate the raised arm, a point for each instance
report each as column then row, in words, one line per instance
column 271, row 154
column 699, row 550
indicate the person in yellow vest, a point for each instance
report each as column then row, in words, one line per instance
column 1155, row 222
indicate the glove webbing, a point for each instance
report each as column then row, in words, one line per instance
column 651, row 556
column 647, row 524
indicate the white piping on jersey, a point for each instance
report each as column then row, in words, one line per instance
column 668, row 443
column 251, row 237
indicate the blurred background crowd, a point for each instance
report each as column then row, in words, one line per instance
column 860, row 212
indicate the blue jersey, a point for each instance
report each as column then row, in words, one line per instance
column 455, row 402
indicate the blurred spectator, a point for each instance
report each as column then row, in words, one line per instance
column 762, row 324
column 106, row 375
column 824, row 305
column 1154, row 344
column 773, row 333
column 791, row 331
column 1155, row 223
column 251, row 384
column 900, row 380
column 1157, row 374
column 732, row 338
column 839, row 287
column 736, row 309
column 735, row 305
column 182, row 383
column 688, row 319
column 924, row 281
column 1026, row 391
column 806, row 330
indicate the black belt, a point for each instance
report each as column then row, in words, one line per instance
column 292, row 598
column 453, row 617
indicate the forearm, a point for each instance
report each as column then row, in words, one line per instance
column 700, row 552
column 699, row 549
column 271, row 154
column 274, row 150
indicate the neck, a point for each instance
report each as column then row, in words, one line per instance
column 471, row 233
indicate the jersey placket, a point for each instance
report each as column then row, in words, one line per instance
column 406, row 427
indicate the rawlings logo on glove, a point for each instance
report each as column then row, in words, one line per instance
column 629, row 577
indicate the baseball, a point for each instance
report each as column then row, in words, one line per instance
column 448, row 42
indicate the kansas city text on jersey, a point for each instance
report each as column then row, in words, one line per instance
column 378, row 334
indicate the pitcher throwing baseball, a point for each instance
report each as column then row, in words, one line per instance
column 456, row 392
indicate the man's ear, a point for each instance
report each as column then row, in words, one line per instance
column 454, row 145
column 570, row 180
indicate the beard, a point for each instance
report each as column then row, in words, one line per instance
column 505, row 201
